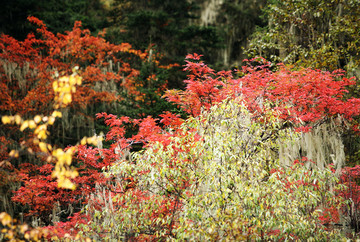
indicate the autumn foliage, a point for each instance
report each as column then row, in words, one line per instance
column 177, row 148
column 214, row 175
column 38, row 83
column 305, row 95
column 30, row 66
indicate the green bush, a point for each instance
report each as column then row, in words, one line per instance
column 219, row 178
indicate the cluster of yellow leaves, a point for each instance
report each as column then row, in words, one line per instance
column 63, row 89
column 13, row 232
column 39, row 125
column 94, row 140
column 63, row 171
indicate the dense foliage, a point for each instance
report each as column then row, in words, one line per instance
column 217, row 177
column 32, row 86
column 166, row 25
column 318, row 34
column 59, row 16
column 219, row 174
column 257, row 153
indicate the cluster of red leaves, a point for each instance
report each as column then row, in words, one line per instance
column 305, row 95
column 4, row 154
column 40, row 190
column 27, row 70
column 39, row 59
column 350, row 177
column 149, row 129
column 69, row 229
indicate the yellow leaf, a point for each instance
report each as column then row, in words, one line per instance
column 66, row 89
column 92, row 140
column 55, row 86
column 32, row 124
column 24, row 125
column 55, row 173
column 43, row 147
column 24, row 228
column 68, row 158
column 14, row 153
column 83, row 141
column 5, row 218
column 64, row 79
column 18, row 119
column 58, row 152
column 71, row 174
column 51, row 120
column 67, row 98
column 74, row 174
column 66, row 184
column 78, row 80
column 72, row 80
column 75, row 69
column 42, row 134
column 56, row 114
column 6, row 119
column 37, row 119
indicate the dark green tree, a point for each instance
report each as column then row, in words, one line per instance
column 168, row 27
column 58, row 15
column 311, row 33
column 237, row 20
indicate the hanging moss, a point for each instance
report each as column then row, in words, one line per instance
column 323, row 145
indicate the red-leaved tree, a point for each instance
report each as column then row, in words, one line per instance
column 28, row 71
